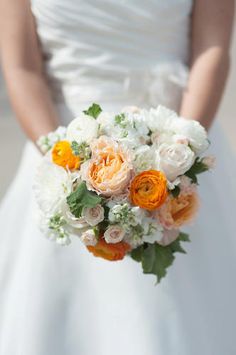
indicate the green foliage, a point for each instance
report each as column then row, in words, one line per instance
column 197, row 168
column 82, row 150
column 93, row 110
column 176, row 191
column 120, row 120
column 156, row 259
column 81, row 198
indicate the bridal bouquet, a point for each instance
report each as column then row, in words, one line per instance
column 124, row 183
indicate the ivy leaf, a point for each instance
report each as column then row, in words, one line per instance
column 176, row 247
column 93, row 110
column 176, row 191
column 156, row 259
column 183, row 237
column 81, row 198
column 137, row 253
column 197, row 168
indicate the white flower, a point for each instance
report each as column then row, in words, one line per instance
column 194, row 132
column 114, row 234
column 152, row 230
column 89, row 237
column 144, row 158
column 209, row 161
column 82, row 129
column 125, row 215
column 52, row 185
column 161, row 119
column 77, row 223
column 63, row 240
column 174, row 159
column 45, row 143
column 93, row 215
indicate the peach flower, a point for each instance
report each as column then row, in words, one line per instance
column 178, row 211
column 109, row 171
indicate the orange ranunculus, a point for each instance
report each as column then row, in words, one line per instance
column 109, row 170
column 62, row 155
column 112, row 252
column 148, row 190
column 179, row 210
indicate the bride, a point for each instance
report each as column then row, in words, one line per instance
column 58, row 57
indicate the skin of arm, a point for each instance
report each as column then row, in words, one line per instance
column 22, row 66
column 212, row 22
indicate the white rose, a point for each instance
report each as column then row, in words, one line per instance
column 82, row 129
column 194, row 132
column 93, row 215
column 174, row 159
column 89, row 237
column 77, row 223
column 114, row 234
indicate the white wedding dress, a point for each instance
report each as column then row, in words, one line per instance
column 63, row 301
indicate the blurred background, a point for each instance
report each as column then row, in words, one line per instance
column 12, row 138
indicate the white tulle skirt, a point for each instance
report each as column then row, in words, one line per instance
column 61, row 300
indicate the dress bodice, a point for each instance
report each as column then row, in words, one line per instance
column 127, row 51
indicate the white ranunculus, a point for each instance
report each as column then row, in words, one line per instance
column 52, row 185
column 89, row 237
column 114, row 234
column 93, row 215
column 174, row 159
column 161, row 119
column 194, row 132
column 82, row 129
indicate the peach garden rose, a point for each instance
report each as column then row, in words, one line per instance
column 110, row 170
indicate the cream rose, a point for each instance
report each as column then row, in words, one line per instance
column 174, row 159
column 93, row 215
column 114, row 234
column 89, row 238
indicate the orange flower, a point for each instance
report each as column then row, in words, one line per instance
column 149, row 189
column 178, row 211
column 62, row 155
column 112, row 252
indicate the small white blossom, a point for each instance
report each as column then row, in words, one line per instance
column 93, row 215
column 89, row 237
column 114, row 234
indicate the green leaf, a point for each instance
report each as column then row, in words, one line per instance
column 137, row 253
column 156, row 259
column 176, row 247
column 93, row 110
column 176, row 191
column 197, row 168
column 184, row 237
column 81, row 198
column 120, row 120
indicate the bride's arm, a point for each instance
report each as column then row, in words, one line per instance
column 23, row 70
column 212, row 23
